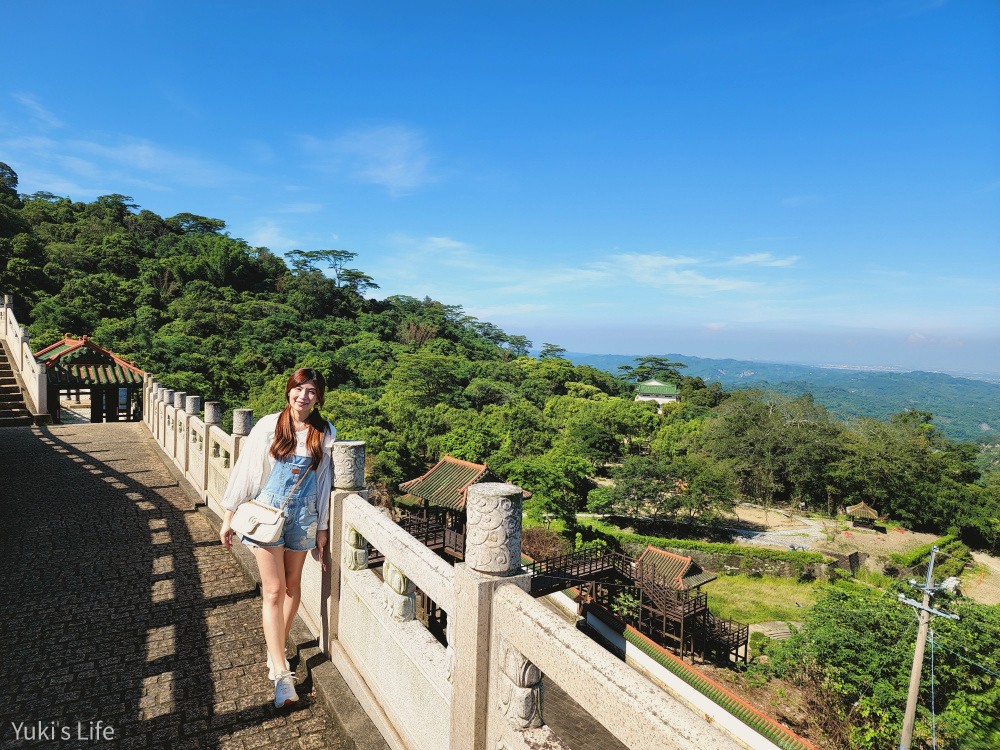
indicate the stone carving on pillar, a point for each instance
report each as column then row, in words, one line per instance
column 493, row 529
column 355, row 549
column 349, row 465
column 399, row 593
column 520, row 689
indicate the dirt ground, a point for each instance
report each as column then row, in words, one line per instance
column 782, row 529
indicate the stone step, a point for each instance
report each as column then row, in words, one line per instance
column 20, row 421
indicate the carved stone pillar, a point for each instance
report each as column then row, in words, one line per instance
column 349, row 465
column 179, row 397
column 192, row 405
column 355, row 549
column 347, row 547
column 399, row 593
column 492, row 559
column 520, row 687
column 493, row 528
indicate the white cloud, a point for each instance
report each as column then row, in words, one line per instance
column 762, row 259
column 267, row 233
column 391, row 156
column 37, row 111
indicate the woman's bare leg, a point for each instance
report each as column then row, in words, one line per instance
column 294, row 561
column 271, row 564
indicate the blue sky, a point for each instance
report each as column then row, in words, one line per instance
column 814, row 182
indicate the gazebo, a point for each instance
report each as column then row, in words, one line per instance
column 441, row 492
column 862, row 514
column 77, row 365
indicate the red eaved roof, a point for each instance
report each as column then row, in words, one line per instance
column 80, row 362
column 446, row 483
column 669, row 568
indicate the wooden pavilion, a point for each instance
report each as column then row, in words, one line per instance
column 862, row 514
column 438, row 498
column 75, row 366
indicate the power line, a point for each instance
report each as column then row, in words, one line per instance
column 968, row 661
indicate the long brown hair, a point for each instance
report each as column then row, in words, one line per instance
column 283, row 445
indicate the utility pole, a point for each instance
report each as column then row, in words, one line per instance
column 924, row 617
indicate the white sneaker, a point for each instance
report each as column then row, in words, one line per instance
column 284, row 689
column 271, row 675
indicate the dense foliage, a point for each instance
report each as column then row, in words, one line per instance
column 964, row 408
column 415, row 378
column 853, row 656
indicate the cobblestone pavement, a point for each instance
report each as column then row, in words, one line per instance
column 124, row 622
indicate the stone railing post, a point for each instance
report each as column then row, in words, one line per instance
column 348, row 479
column 25, row 346
column 492, row 558
column 180, row 431
column 213, row 418
column 242, row 424
column 167, row 399
column 192, row 407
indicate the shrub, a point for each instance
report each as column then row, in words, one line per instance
column 541, row 543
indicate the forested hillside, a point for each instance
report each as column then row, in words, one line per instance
column 963, row 408
column 415, row 377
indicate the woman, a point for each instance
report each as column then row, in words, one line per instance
column 286, row 455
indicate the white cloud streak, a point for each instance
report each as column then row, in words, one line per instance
column 392, row 156
column 36, row 111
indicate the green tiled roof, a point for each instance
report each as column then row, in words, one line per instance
column 446, row 482
column 73, row 363
column 656, row 388
column 672, row 569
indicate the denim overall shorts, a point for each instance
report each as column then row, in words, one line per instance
column 300, row 514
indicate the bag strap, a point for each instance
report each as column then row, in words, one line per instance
column 282, row 508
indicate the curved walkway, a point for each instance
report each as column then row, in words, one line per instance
column 122, row 617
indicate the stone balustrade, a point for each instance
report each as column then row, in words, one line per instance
column 30, row 371
column 480, row 689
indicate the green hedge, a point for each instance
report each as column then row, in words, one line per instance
column 798, row 558
column 953, row 554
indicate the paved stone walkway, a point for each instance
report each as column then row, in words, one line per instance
column 124, row 622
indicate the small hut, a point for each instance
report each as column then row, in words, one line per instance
column 862, row 514
column 74, row 366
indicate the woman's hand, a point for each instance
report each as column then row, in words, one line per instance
column 226, row 532
column 322, row 537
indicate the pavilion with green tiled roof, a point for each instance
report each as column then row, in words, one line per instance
column 444, row 485
column 675, row 570
column 76, row 365
column 654, row 390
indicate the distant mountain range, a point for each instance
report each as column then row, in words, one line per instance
column 964, row 408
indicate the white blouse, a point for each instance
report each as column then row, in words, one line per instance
column 255, row 463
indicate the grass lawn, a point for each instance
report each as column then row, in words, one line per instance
column 752, row 600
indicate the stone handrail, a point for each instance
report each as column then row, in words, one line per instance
column 478, row 687
column 30, row 372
